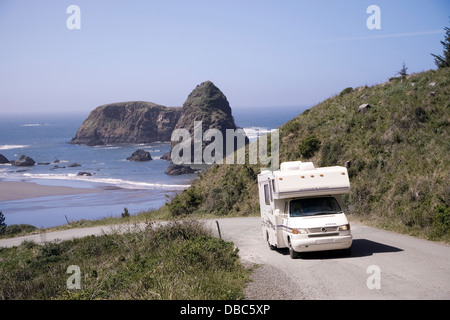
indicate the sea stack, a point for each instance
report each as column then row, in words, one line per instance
column 208, row 105
column 127, row 122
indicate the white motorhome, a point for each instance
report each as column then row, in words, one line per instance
column 301, row 207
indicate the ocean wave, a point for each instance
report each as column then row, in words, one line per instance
column 125, row 184
column 255, row 132
column 143, row 145
column 33, row 124
column 107, row 147
column 110, row 148
column 12, row 146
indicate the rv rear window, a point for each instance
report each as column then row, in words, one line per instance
column 313, row 206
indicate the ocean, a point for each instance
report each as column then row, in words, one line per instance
column 137, row 186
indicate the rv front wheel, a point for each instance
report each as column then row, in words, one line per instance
column 292, row 253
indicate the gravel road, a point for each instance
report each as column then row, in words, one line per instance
column 382, row 265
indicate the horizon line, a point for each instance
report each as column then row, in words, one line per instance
column 384, row 36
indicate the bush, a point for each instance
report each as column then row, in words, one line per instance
column 309, row 146
column 441, row 221
column 125, row 213
column 345, row 91
column 18, row 228
column 184, row 203
column 329, row 154
column 2, row 223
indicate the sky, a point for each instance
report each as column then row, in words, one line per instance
column 259, row 53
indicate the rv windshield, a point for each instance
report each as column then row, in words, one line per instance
column 313, row 206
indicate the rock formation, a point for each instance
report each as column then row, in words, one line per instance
column 3, row 159
column 127, row 122
column 177, row 169
column 364, row 108
column 140, row 155
column 206, row 103
column 84, row 173
column 23, row 161
column 144, row 122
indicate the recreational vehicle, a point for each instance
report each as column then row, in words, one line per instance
column 302, row 208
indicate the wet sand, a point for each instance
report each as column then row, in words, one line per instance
column 15, row 190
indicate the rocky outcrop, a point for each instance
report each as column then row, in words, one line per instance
column 364, row 108
column 166, row 156
column 23, row 161
column 177, row 169
column 3, row 159
column 85, row 173
column 206, row 103
column 140, row 155
column 74, row 165
column 127, row 122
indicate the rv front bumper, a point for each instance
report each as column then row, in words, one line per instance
column 322, row 243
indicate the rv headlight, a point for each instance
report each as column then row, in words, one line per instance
column 299, row 231
column 344, row 227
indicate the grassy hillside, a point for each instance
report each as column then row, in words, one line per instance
column 397, row 152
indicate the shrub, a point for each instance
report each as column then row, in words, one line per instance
column 2, row 223
column 345, row 91
column 420, row 114
column 125, row 213
column 309, row 146
column 441, row 221
column 18, row 228
column 185, row 203
column 329, row 154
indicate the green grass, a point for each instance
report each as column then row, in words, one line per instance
column 179, row 260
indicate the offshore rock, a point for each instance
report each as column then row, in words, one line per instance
column 206, row 103
column 140, row 155
column 177, row 169
column 23, row 161
column 3, row 159
column 127, row 122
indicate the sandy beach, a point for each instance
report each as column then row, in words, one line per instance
column 14, row 190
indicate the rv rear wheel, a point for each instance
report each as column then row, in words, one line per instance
column 271, row 247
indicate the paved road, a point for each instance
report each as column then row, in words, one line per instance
column 382, row 265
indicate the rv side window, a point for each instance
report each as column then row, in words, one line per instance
column 266, row 194
column 270, row 190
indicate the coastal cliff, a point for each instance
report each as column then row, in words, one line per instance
column 127, row 122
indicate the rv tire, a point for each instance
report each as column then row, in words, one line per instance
column 292, row 253
column 271, row 247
